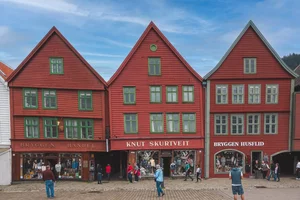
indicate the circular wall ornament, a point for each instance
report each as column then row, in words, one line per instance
column 153, row 47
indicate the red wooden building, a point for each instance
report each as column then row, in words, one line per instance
column 57, row 112
column 249, row 95
column 156, row 107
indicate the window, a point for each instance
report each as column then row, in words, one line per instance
column 221, row 124
column 188, row 93
column 49, row 99
column 189, row 122
column 31, row 127
column 71, row 129
column 221, row 94
column 50, row 128
column 254, row 94
column 56, row 66
column 253, row 121
column 156, row 123
column 237, row 124
column 85, row 99
column 237, row 94
column 271, row 123
column 30, row 98
column 227, row 159
column 272, row 94
column 173, row 123
column 172, row 95
column 86, row 129
column 129, row 95
column 130, row 123
column 249, row 65
column 79, row 129
column 155, row 94
column 154, row 66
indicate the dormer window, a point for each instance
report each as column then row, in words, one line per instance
column 56, row 66
column 249, row 65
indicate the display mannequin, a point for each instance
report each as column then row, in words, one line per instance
column 43, row 167
column 58, row 169
column 34, row 165
column 152, row 162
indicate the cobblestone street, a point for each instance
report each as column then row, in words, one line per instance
column 212, row 189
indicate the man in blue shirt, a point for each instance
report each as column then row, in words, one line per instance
column 159, row 179
column 236, row 176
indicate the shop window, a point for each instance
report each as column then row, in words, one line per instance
column 156, row 123
column 189, row 122
column 172, row 94
column 147, row 160
column 155, row 94
column 69, row 166
column 49, row 99
column 85, row 99
column 187, row 94
column 181, row 158
column 226, row 159
column 30, row 98
column 32, row 166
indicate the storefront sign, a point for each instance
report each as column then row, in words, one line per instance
column 239, row 144
column 158, row 143
column 36, row 145
column 79, row 145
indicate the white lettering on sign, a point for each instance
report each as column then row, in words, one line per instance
column 174, row 143
column 237, row 144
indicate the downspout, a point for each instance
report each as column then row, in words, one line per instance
column 291, row 119
column 207, row 132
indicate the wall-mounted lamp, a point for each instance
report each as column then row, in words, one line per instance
column 60, row 125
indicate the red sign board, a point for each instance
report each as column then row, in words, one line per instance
column 157, row 144
column 57, row 146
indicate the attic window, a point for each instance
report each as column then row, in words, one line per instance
column 153, row 47
column 2, row 73
column 56, row 66
column 249, row 65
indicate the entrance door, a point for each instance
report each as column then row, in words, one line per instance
column 255, row 155
column 166, row 162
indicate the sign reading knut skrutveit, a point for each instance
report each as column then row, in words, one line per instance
column 239, row 144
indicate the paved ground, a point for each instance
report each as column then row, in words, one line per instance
column 212, row 189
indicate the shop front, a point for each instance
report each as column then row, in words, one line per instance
column 69, row 160
column 171, row 154
column 227, row 154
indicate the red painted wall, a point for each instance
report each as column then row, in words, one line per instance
column 173, row 72
column 296, row 145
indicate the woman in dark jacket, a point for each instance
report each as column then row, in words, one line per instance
column 99, row 174
column 277, row 172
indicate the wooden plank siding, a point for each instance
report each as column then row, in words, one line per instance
column 296, row 135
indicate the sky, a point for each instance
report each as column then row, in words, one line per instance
column 104, row 31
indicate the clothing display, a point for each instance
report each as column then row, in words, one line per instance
column 181, row 158
column 147, row 161
column 226, row 160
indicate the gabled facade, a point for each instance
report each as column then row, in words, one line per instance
column 156, row 107
column 248, row 95
column 297, row 81
column 5, row 151
column 57, row 112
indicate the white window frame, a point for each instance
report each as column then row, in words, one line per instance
column 270, row 123
column 245, row 66
column 272, row 93
column 237, row 124
column 238, row 94
column 253, row 124
column 222, row 94
column 221, row 124
column 254, row 94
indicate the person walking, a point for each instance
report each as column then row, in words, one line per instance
column 265, row 168
column 99, row 173
column 159, row 179
column 272, row 170
column 49, row 179
column 108, row 171
column 256, row 169
column 136, row 173
column 277, row 173
column 298, row 170
column 236, row 176
column 199, row 172
column 129, row 172
column 187, row 171
column 173, row 167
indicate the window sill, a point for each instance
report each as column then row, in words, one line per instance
column 86, row 110
column 173, row 132
column 49, row 108
column 31, row 108
column 128, row 104
column 189, row 132
column 155, row 102
column 172, row 102
column 156, row 132
column 188, row 102
column 225, row 134
column 130, row 133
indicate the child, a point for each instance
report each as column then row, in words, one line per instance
column 199, row 171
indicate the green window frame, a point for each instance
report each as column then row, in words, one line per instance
column 79, row 129
column 56, row 65
column 30, row 98
column 131, row 123
column 129, row 95
column 156, row 123
column 154, row 67
column 173, row 123
column 85, row 100
column 172, row 94
column 155, row 94
column 188, row 94
column 189, row 123
column 31, row 127
column 50, row 128
column 49, row 99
